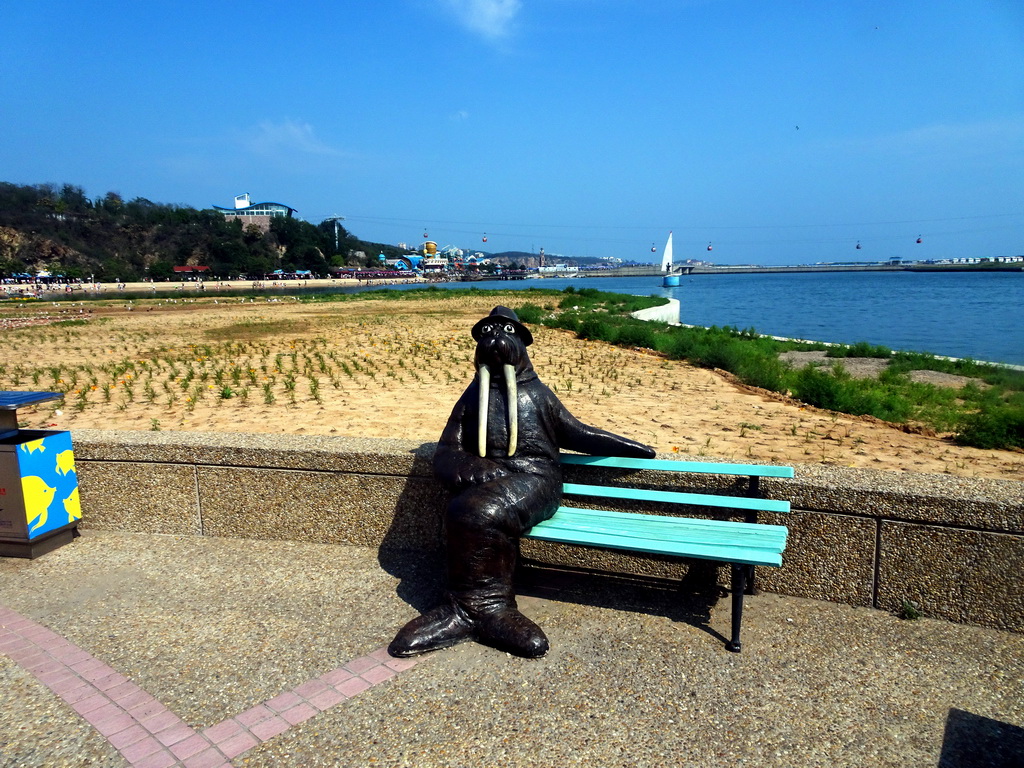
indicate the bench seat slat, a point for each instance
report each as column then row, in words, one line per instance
column 678, row 529
column 659, row 525
column 669, row 465
column 567, row 527
column 675, row 497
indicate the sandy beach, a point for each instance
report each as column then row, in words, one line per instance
column 394, row 368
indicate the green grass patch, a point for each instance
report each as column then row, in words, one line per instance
column 999, row 426
column 860, row 349
column 836, row 390
column 989, row 416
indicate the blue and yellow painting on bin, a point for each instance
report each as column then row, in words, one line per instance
column 49, row 483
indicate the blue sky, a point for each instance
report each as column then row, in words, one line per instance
column 780, row 132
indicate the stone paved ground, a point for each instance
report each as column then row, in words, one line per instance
column 143, row 650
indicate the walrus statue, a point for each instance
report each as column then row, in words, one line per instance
column 498, row 454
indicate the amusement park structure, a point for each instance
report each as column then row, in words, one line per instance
column 431, row 258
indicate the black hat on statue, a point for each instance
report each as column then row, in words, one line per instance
column 504, row 314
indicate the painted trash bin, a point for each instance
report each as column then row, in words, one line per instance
column 39, row 504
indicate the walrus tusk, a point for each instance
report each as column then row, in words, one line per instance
column 512, row 391
column 513, row 407
column 484, row 384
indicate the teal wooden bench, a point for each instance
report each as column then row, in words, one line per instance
column 741, row 544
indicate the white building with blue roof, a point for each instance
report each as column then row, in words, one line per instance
column 259, row 214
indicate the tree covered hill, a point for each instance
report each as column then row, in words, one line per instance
column 59, row 229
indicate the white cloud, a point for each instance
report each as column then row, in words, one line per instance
column 491, row 18
column 289, row 137
column 459, row 116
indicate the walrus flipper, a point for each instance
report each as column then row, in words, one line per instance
column 574, row 435
column 454, row 465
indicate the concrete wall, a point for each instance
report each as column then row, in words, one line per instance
column 666, row 313
column 862, row 537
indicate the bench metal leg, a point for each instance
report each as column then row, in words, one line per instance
column 741, row 576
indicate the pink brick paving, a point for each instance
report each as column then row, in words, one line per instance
column 147, row 733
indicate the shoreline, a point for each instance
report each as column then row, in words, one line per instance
column 67, row 291
column 142, row 290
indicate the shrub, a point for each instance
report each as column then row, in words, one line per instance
column 530, row 314
column 816, row 387
column 678, row 344
column 836, row 390
column 597, row 329
column 566, row 320
column 619, row 303
column 860, row 349
column 763, row 370
column 706, row 347
column 637, row 334
column 999, row 426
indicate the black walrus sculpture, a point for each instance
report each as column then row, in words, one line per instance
column 499, row 455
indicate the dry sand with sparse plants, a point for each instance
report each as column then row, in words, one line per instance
column 394, row 368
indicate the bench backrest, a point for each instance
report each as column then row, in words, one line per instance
column 751, row 504
column 669, row 465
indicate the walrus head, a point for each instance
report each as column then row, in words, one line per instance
column 501, row 347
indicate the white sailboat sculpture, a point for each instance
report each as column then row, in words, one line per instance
column 671, row 279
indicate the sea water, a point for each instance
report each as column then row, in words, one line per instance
column 971, row 315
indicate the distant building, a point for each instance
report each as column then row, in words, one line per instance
column 190, row 272
column 258, row 214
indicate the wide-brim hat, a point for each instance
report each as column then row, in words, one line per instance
column 509, row 316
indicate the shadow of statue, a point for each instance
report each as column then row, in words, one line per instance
column 688, row 601
column 413, row 549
